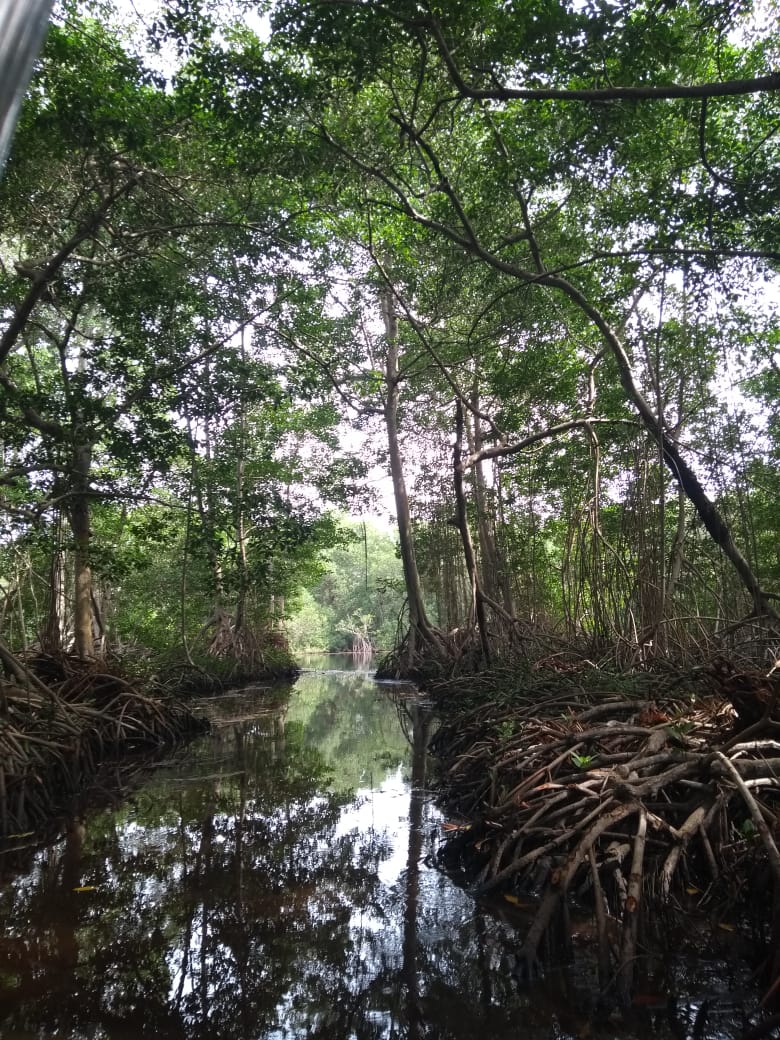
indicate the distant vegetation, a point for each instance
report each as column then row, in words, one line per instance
column 357, row 603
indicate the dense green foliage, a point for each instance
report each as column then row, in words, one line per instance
column 161, row 452
column 357, row 604
column 530, row 250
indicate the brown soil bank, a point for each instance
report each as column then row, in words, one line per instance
column 628, row 794
column 59, row 718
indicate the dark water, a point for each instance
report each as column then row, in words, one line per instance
column 272, row 882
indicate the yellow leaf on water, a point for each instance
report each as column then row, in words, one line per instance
column 692, row 890
column 85, row 888
column 726, row 927
column 517, row 902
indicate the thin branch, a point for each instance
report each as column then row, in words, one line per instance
column 669, row 91
column 348, row 399
column 426, row 341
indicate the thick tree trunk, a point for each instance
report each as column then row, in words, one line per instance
column 477, row 600
column 418, row 620
column 493, row 573
column 52, row 637
column 82, row 534
column 204, row 499
column 241, row 540
column 243, row 563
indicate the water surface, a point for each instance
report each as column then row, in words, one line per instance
column 273, row 881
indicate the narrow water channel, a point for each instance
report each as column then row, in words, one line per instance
column 272, row 881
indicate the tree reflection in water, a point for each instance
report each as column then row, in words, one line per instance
column 273, row 884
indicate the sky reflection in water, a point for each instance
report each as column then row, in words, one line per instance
column 271, row 883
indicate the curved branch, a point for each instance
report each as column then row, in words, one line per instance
column 468, row 240
column 43, row 276
column 665, row 92
column 500, row 451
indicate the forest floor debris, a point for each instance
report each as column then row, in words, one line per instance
column 632, row 795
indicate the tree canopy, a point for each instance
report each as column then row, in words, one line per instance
column 527, row 251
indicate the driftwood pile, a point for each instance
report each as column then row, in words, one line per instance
column 59, row 718
column 570, row 792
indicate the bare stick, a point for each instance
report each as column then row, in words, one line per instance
column 756, row 816
column 631, row 913
column 684, row 833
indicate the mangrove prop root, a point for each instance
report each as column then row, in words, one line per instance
column 51, row 737
column 691, row 826
column 631, row 913
column 573, row 781
column 604, row 964
column 559, row 884
column 756, row 815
